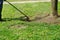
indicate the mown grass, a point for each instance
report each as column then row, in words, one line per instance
column 15, row 29
column 30, row 9
column 21, row 0
column 14, row 0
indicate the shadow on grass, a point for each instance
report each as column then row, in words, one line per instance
column 22, row 18
column 10, row 19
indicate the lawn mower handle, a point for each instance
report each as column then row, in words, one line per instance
column 17, row 9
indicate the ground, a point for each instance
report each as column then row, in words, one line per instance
column 49, row 18
column 15, row 29
column 28, row 0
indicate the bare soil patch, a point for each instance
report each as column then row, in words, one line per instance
column 19, row 26
column 47, row 18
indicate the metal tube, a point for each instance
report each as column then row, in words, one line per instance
column 17, row 9
column 27, row 18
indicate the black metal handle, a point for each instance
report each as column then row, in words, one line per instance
column 17, row 9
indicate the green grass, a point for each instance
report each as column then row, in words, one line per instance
column 19, row 30
column 30, row 9
column 14, row 0
column 21, row 0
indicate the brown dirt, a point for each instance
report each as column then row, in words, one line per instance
column 17, row 26
column 47, row 18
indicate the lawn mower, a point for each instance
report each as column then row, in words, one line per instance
column 25, row 17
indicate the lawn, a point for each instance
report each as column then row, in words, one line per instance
column 15, row 29
column 14, row 0
column 20, row 0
